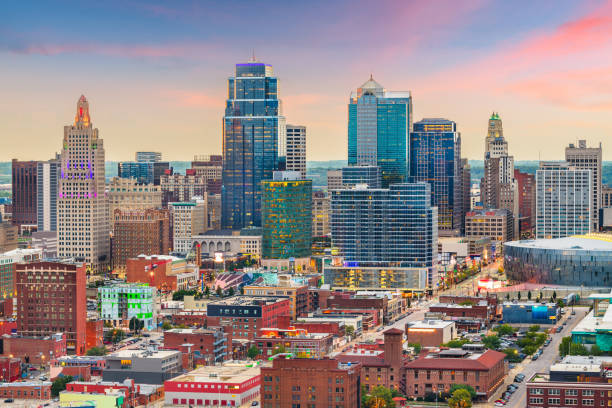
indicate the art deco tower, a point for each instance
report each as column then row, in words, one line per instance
column 83, row 224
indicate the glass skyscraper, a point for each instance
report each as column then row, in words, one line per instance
column 353, row 175
column 435, row 157
column 379, row 126
column 253, row 141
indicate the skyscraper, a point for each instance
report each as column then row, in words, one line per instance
column 296, row 149
column 253, row 141
column 435, row 158
column 353, row 175
column 564, row 197
column 379, row 125
column 466, row 187
column 24, row 192
column 83, row 223
column 46, row 194
column 583, row 157
column 148, row 156
column 527, row 201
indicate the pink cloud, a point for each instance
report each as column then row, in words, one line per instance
column 194, row 99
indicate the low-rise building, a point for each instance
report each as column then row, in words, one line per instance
column 596, row 327
column 530, row 313
column 110, row 399
column 298, row 294
column 430, row 333
column 133, row 394
column 143, row 366
column 31, row 390
column 10, row 367
column 95, row 364
column 296, row 341
column 122, row 302
column 480, row 310
column 35, row 350
column 213, row 345
column 165, row 272
column 8, row 260
column 544, row 392
column 229, row 242
column 347, row 320
column 233, row 384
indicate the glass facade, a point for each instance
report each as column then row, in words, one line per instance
column 565, row 262
column 143, row 172
column 253, row 128
column 435, row 158
column 287, row 219
column 379, row 124
column 353, row 175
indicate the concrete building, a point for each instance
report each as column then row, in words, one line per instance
column 188, row 219
column 299, row 342
column 8, row 236
column 46, row 241
column 530, row 313
column 182, row 188
column 234, row 384
column 321, row 208
column 596, row 327
column 120, row 303
column 8, row 262
column 564, row 196
column 496, row 224
column 334, row 180
column 51, row 299
column 211, row 168
column 430, row 333
column 606, row 196
column 139, row 232
column 298, row 294
column 296, row 149
column 165, row 272
column 313, row 382
column 588, row 158
column 83, row 218
column 143, row 366
column 128, row 194
column 148, row 157
column 47, row 180
column 24, row 185
column 230, row 243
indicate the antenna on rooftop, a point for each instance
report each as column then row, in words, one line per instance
column 253, row 59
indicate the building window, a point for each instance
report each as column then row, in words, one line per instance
column 536, row 400
column 554, row 401
column 588, row 402
column 571, row 392
column 554, row 391
column 536, row 391
column 571, row 401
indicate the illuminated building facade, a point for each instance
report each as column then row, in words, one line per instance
column 119, row 303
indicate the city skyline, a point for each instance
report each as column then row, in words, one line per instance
column 157, row 73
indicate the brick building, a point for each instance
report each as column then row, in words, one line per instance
column 24, row 186
column 214, row 345
column 194, row 318
column 211, row 168
column 248, row 314
column 51, row 299
column 8, row 236
column 309, row 382
column 298, row 294
column 296, row 341
column 165, row 272
column 496, row 224
column 94, row 333
column 527, row 200
column 430, row 333
column 36, row 390
column 137, row 232
column 34, row 350
column 10, row 369
column 64, row 364
column 478, row 311
column 334, row 328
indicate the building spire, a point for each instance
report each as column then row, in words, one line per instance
column 82, row 113
column 253, row 59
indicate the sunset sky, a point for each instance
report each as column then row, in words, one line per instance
column 155, row 74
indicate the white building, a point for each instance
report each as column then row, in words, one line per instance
column 296, row 149
column 229, row 242
column 47, row 176
column 188, row 219
column 120, row 303
column 588, row 158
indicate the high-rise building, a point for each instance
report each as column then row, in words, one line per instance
column 139, row 232
column 51, row 299
column 466, row 191
column 8, row 236
column 24, row 185
column 496, row 224
column 181, row 188
column 144, row 172
column 498, row 188
column 368, row 175
column 387, row 237
column 253, row 141
column 128, row 194
column 334, row 180
column 606, row 196
column 83, row 219
column 321, row 207
column 211, row 168
column 188, row 219
column 527, row 201
column 8, row 261
column 564, row 200
column 379, row 126
column 152, row 157
column 435, row 158
column 296, row 149
column 46, row 194
column 286, row 211
column 583, row 157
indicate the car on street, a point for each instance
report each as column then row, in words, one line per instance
column 535, row 357
column 519, row 378
column 9, row 400
column 500, row 403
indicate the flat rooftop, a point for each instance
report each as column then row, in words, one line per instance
column 431, row 324
column 588, row 242
column 248, row 300
column 143, row 354
column 592, row 324
column 230, row 372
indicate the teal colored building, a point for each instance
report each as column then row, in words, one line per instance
column 596, row 327
column 286, row 216
column 379, row 126
column 120, row 303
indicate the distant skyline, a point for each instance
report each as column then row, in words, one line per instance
column 155, row 73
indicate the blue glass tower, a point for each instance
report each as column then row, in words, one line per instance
column 379, row 126
column 435, row 158
column 253, row 132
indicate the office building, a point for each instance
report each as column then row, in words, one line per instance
column 588, row 158
column 188, row 220
column 527, row 201
column 24, row 192
column 286, row 211
column 496, row 224
column 316, row 382
column 51, row 299
column 368, row 175
column 139, row 232
column 46, row 241
column 143, row 366
column 182, row 188
column 606, row 196
column 8, row 262
column 430, row 333
column 296, row 149
column 47, row 179
column 379, row 126
column 563, row 200
column 148, row 157
column 466, row 191
column 83, row 219
column 214, row 211
column 435, row 158
column 127, row 194
column 8, row 236
column 387, row 237
column 334, row 180
column 253, row 140
column 321, row 207
column 582, row 390
column 119, row 303
column 144, row 172
column 211, row 168
column 297, row 294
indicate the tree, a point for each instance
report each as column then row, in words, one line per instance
column 408, row 302
column 279, row 349
column 534, row 328
column 596, row 350
column 529, row 295
column 207, row 292
column 114, row 335
column 59, row 384
column 108, row 324
column 416, row 346
column 253, row 352
column 507, row 296
column 136, row 324
column 512, row 355
column 554, row 295
column 231, row 291
column 349, row 330
column 219, row 291
column 379, row 397
column 460, row 399
column 180, row 294
column 504, row 330
column 166, row 325
column 97, row 351
column 519, row 296
column 491, row 342
column 467, row 303
column 457, row 343
column 466, row 387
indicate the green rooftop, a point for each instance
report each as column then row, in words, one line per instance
column 494, row 116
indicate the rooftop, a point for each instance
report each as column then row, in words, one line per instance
column 458, row 359
column 588, row 242
column 431, row 324
column 143, row 354
column 230, row 372
column 248, row 300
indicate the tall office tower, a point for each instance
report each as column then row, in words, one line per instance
column 187, row 219
column 151, row 157
column 51, row 299
column 386, row 236
column 527, row 201
column 286, row 210
column 82, row 206
column 466, row 187
column 321, row 207
column 368, row 175
column 144, row 172
column 296, row 149
column 379, row 126
column 211, row 168
column 253, row 133
column 498, row 188
column 334, row 180
column 583, row 157
column 24, row 186
column 564, row 200
column 46, row 193
column 435, row 158
column 179, row 188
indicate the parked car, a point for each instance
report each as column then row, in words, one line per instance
column 9, row 400
column 535, row 356
column 519, row 378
